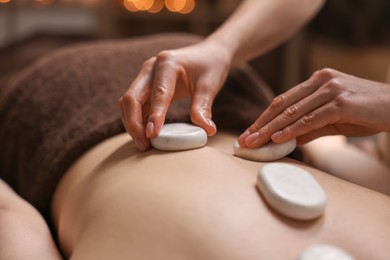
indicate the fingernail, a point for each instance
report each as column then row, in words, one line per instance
column 213, row 130
column 139, row 145
column 276, row 136
column 149, row 129
column 251, row 138
column 211, row 123
column 245, row 134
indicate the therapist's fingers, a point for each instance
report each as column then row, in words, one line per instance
column 284, row 106
column 259, row 132
column 301, row 111
column 134, row 105
column 335, row 111
column 131, row 112
column 202, row 102
column 324, row 116
column 166, row 75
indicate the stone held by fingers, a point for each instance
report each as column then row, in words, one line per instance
column 179, row 136
column 265, row 153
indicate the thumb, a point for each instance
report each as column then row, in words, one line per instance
column 201, row 115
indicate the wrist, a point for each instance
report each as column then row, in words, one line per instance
column 225, row 50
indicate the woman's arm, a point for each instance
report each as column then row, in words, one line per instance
column 258, row 26
column 200, row 70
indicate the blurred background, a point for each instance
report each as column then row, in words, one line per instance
column 349, row 35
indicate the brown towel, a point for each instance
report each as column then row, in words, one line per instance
column 59, row 107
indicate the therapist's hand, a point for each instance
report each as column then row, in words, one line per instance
column 198, row 71
column 328, row 103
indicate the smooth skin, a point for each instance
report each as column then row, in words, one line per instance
column 346, row 161
column 200, row 70
column 24, row 233
column 117, row 203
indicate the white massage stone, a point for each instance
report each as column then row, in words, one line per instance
column 324, row 252
column 179, row 136
column 265, row 153
column 291, row 191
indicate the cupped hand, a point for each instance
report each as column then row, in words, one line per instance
column 328, row 103
column 197, row 71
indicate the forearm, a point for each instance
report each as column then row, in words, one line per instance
column 258, row 26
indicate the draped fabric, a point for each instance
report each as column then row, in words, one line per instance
column 54, row 110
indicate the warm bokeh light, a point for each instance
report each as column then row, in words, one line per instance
column 4, row 1
column 184, row 6
column 130, row 6
column 170, row 5
column 158, row 5
column 155, row 6
column 143, row 5
column 179, row 4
